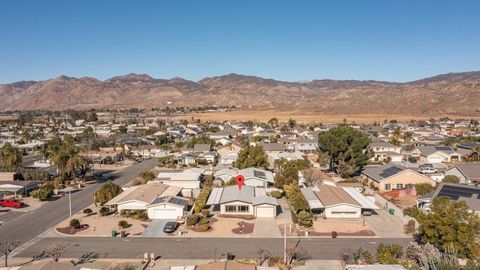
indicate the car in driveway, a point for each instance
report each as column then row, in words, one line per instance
column 11, row 203
column 427, row 168
column 170, row 227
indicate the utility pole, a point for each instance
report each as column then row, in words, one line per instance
column 70, row 202
column 285, row 237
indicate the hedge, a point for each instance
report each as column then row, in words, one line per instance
column 202, row 199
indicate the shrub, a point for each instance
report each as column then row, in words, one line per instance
column 389, row 254
column 451, row 179
column 205, row 213
column 424, row 188
column 147, row 176
column 135, row 214
column 202, row 199
column 107, row 192
column 412, row 211
column 276, row 194
column 123, row 224
column 305, row 218
column 87, row 211
column 104, row 211
column 192, row 220
column 75, row 223
column 203, row 220
column 43, row 193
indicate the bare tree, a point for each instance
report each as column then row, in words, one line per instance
column 262, row 256
column 86, row 258
column 296, row 253
column 6, row 247
column 311, row 178
column 56, row 249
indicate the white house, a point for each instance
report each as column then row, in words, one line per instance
column 188, row 180
column 159, row 200
column 249, row 201
column 436, row 154
column 338, row 202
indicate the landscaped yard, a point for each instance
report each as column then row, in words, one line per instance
column 354, row 227
column 221, row 227
column 103, row 225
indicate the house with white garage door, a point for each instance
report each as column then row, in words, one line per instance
column 160, row 201
column 249, row 201
column 170, row 207
column 338, row 202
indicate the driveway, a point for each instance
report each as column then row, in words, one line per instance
column 155, row 229
column 385, row 225
column 266, row 227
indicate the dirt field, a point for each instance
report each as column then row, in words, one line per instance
column 263, row 116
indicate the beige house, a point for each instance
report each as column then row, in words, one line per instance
column 390, row 177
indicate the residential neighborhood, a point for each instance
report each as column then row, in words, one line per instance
column 239, row 135
column 190, row 190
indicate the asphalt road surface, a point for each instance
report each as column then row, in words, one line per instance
column 207, row 248
column 32, row 224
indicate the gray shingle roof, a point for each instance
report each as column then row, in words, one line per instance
column 470, row 170
column 459, row 192
column 379, row 173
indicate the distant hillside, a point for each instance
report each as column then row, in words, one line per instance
column 453, row 93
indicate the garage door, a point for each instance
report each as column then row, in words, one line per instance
column 164, row 213
column 265, row 212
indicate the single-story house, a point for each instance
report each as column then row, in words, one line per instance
column 254, row 177
column 251, row 201
column 306, row 146
column 389, row 177
column 272, row 157
column 272, row 147
column 436, row 154
column 159, row 200
column 188, row 180
column 338, row 202
column 468, row 173
column 468, row 193
column 168, row 207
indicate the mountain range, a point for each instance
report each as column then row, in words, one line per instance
column 452, row 93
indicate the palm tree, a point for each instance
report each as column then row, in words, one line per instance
column 10, row 157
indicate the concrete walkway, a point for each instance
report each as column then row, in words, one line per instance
column 266, row 227
column 386, row 225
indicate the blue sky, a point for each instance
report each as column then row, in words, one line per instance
column 284, row 40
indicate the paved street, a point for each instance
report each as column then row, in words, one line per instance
column 206, row 248
column 32, row 224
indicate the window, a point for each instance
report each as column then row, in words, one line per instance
column 230, row 208
column 243, row 208
column 399, row 186
column 236, row 208
column 388, row 187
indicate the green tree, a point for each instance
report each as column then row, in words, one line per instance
column 389, row 254
column 451, row 179
column 107, row 192
column 10, row 157
column 251, row 156
column 43, row 193
column 291, row 123
column 424, row 188
column 273, row 122
column 147, row 176
column 451, row 224
column 346, row 148
column 122, row 129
